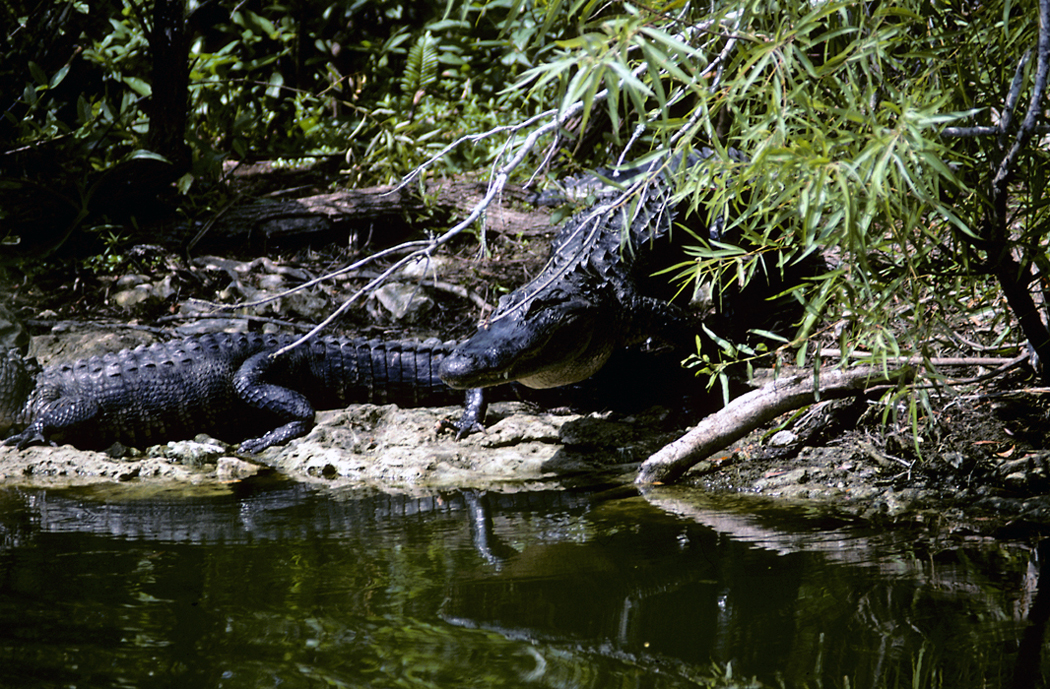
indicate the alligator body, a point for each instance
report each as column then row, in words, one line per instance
column 227, row 385
column 564, row 324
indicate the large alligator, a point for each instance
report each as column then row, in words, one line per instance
column 563, row 325
column 228, row 385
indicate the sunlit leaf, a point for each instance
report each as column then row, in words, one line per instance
column 140, row 86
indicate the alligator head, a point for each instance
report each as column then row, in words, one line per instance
column 563, row 326
column 558, row 337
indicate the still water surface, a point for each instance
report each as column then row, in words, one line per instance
column 282, row 585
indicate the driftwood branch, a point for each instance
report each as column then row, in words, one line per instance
column 749, row 411
column 379, row 214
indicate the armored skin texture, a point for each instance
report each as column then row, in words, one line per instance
column 564, row 324
column 227, row 385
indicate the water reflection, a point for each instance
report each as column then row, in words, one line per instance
column 285, row 585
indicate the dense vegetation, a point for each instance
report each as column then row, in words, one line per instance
column 904, row 141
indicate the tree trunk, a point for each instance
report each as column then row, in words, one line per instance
column 169, row 49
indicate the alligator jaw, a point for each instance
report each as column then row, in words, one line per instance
column 464, row 370
column 552, row 349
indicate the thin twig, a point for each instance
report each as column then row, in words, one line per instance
column 417, row 246
column 963, row 132
column 933, row 360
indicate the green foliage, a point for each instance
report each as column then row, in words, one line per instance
column 384, row 85
column 387, row 96
column 112, row 259
column 840, row 107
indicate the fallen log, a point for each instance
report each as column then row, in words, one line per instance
column 751, row 410
column 383, row 215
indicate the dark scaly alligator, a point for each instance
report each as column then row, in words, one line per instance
column 563, row 325
column 228, row 385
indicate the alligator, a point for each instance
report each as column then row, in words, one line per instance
column 588, row 301
column 226, row 385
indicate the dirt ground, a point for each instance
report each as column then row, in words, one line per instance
column 979, row 464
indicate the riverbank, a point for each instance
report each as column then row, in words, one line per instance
column 979, row 462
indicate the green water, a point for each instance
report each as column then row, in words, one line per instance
column 284, row 586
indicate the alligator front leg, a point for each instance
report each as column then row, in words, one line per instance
column 665, row 322
column 286, row 404
column 475, row 406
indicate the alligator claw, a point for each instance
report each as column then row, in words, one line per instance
column 475, row 406
column 26, row 438
column 462, row 428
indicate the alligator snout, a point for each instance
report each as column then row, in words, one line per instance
column 541, row 353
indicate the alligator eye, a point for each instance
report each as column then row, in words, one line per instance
column 508, row 301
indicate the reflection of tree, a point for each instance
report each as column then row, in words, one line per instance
column 1030, row 651
column 880, row 608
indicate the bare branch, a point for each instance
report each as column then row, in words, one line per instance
column 934, row 361
column 1011, row 98
column 405, row 246
column 512, row 128
column 1027, row 128
column 963, row 132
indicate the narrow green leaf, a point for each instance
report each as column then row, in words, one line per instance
column 684, row 51
column 800, row 356
column 654, row 59
column 39, row 75
column 84, row 112
column 448, row 25
column 770, row 335
column 59, row 76
column 612, row 104
column 588, row 95
column 143, row 154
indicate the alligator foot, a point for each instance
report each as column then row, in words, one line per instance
column 475, row 406
column 295, row 429
column 461, row 428
column 26, row 438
